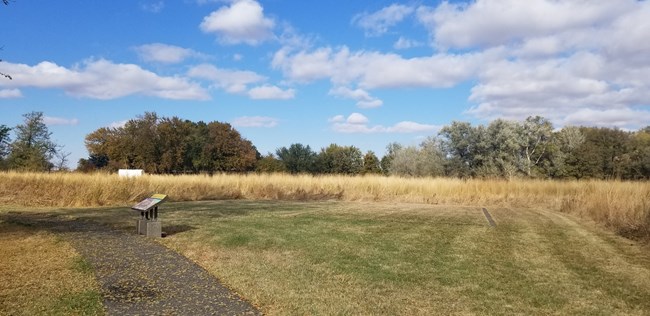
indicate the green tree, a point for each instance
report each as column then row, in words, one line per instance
column 297, row 158
column 141, row 140
column 174, row 141
column 458, row 142
column 432, row 159
column 371, row 164
column 536, row 135
column 639, row 155
column 404, row 162
column 501, row 149
column 32, row 149
column 93, row 163
column 564, row 148
column 601, row 155
column 387, row 160
column 5, row 142
column 270, row 164
column 227, row 150
column 339, row 160
column 424, row 161
column 108, row 148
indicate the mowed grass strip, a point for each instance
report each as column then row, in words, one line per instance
column 326, row 258
column 41, row 274
column 411, row 259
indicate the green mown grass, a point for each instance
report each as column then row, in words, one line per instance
column 386, row 258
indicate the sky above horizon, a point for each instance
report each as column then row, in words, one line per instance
column 362, row 73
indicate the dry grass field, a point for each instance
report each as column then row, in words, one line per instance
column 354, row 245
column 623, row 207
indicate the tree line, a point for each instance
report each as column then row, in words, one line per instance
column 502, row 149
column 532, row 148
column 169, row 145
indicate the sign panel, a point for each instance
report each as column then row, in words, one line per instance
column 149, row 203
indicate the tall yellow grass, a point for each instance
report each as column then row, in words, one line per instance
column 623, row 206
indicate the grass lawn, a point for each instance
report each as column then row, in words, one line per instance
column 383, row 258
column 41, row 274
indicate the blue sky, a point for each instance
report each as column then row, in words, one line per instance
column 363, row 73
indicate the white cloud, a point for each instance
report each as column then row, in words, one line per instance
column 153, row 7
column 243, row 21
column 163, row 53
column 10, row 94
column 255, row 121
column 372, row 70
column 378, row 23
column 363, row 98
column 559, row 88
column 610, row 118
column 539, row 57
column 118, row 124
column 232, row 81
column 357, row 118
column 337, row 119
column 102, row 79
column 411, row 127
column 500, row 22
column 237, row 57
column 59, row 121
column 405, row 43
column 269, row 92
column 358, row 123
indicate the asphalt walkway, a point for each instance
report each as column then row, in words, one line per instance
column 139, row 276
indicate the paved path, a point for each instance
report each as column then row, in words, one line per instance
column 139, row 276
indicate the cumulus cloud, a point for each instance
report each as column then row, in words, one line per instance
column 378, row 23
column 363, row 98
column 411, row 127
column 255, row 121
column 232, row 81
column 609, row 118
column 163, row 53
column 10, row 93
column 570, row 61
column 358, row 123
column 270, row 92
column 242, row 21
column 405, row 43
column 500, row 22
column 102, row 79
column 373, row 70
column 49, row 120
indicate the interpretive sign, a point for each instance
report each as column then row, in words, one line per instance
column 149, row 202
column 148, row 224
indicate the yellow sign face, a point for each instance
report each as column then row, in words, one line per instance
column 159, row 196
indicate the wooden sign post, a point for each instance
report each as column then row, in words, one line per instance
column 148, row 224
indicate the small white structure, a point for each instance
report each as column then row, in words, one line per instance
column 128, row 173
